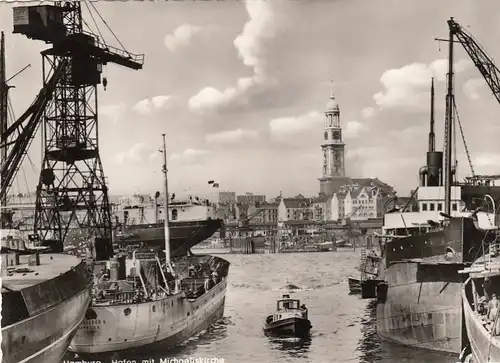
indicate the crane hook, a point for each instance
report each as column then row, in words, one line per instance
column 105, row 82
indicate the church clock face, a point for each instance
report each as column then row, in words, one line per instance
column 337, row 134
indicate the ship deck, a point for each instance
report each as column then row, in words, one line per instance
column 23, row 275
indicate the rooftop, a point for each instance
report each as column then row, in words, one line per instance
column 296, row 202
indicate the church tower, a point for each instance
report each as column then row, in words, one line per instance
column 333, row 149
column 333, row 146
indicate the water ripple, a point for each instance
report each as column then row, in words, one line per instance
column 343, row 330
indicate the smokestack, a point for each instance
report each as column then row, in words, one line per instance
column 432, row 172
column 432, row 136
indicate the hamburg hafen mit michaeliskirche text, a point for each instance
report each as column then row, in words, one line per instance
column 154, row 360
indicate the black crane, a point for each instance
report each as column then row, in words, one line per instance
column 491, row 74
column 71, row 191
column 479, row 57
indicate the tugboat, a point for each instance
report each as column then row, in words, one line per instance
column 289, row 320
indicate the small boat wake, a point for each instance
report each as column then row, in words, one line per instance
column 289, row 287
column 295, row 347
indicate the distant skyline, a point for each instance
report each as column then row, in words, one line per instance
column 240, row 89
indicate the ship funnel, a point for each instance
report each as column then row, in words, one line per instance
column 431, row 175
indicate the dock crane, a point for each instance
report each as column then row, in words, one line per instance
column 491, row 74
column 353, row 227
column 479, row 57
column 244, row 223
column 71, row 188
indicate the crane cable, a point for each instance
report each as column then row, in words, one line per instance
column 10, row 109
column 109, row 28
column 95, row 23
column 463, row 138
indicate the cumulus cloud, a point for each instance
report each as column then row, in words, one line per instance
column 286, row 126
column 189, row 156
column 136, row 154
column 368, row 112
column 407, row 87
column 354, row 129
column 251, row 49
column 487, row 159
column 181, row 36
column 113, row 112
column 364, row 152
column 210, row 98
column 379, row 161
column 148, row 106
column 472, row 86
column 231, row 136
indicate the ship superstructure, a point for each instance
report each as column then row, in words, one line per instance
column 423, row 251
column 156, row 301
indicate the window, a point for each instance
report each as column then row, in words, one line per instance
column 424, row 206
column 440, row 206
column 454, row 206
column 174, row 214
column 431, row 206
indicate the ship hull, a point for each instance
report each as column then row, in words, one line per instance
column 183, row 235
column 354, row 285
column 289, row 327
column 45, row 337
column 421, row 314
column 422, row 305
column 484, row 349
column 149, row 325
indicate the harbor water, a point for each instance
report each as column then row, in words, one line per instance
column 343, row 325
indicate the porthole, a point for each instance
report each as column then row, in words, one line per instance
column 90, row 314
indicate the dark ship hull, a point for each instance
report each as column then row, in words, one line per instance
column 354, row 285
column 41, row 313
column 420, row 302
column 183, row 235
column 289, row 327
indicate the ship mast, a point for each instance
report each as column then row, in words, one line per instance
column 432, row 135
column 3, row 109
column 165, row 204
column 448, row 129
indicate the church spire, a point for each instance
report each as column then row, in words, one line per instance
column 333, row 145
column 332, row 107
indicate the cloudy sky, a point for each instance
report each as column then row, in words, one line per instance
column 240, row 90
